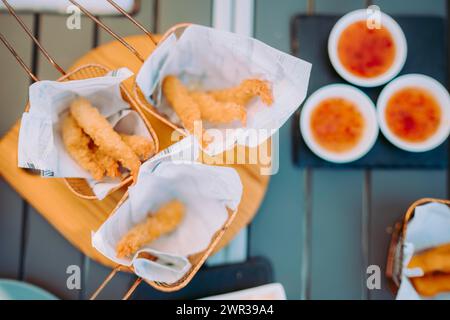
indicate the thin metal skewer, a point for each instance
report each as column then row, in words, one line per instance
column 107, row 29
column 36, row 41
column 136, row 23
column 18, row 58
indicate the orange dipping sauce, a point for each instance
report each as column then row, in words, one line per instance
column 366, row 52
column 413, row 114
column 336, row 124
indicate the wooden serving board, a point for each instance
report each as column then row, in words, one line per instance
column 76, row 218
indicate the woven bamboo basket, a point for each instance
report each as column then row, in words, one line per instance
column 395, row 253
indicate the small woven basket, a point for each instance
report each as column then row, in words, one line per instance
column 395, row 254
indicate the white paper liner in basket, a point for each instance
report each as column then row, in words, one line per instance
column 430, row 227
column 40, row 143
column 206, row 191
column 206, row 58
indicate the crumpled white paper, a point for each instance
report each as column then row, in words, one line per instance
column 430, row 227
column 206, row 191
column 40, row 142
column 207, row 58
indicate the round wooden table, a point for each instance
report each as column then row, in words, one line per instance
column 114, row 55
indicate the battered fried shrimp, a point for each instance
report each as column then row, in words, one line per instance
column 184, row 105
column 244, row 92
column 218, row 112
column 433, row 260
column 103, row 134
column 109, row 165
column 163, row 221
column 77, row 144
column 431, row 284
column 144, row 148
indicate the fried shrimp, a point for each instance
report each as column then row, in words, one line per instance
column 218, row 112
column 109, row 165
column 184, row 105
column 144, row 148
column 431, row 284
column 77, row 144
column 103, row 134
column 163, row 221
column 432, row 260
column 244, row 92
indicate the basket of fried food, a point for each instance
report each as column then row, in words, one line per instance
column 418, row 266
column 223, row 88
column 87, row 129
column 170, row 221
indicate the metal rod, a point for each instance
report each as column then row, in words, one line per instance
column 132, row 289
column 105, row 282
column 135, row 22
column 18, row 58
column 107, row 29
column 36, row 41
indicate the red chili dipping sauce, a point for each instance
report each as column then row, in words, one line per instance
column 366, row 52
column 413, row 114
column 336, row 124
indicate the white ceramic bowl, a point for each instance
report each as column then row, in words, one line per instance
column 440, row 94
column 397, row 35
column 365, row 107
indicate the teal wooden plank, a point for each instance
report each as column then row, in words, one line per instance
column 48, row 256
column 392, row 193
column 282, row 213
column 277, row 230
column 95, row 274
column 337, row 7
column 10, row 231
column 177, row 11
column 125, row 27
column 63, row 44
column 272, row 21
column 14, row 87
column 434, row 7
column 336, row 260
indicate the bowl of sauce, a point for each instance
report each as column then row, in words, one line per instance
column 364, row 52
column 414, row 113
column 338, row 123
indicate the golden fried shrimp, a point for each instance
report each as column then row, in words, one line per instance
column 431, row 284
column 109, row 165
column 163, row 221
column 77, row 144
column 432, row 260
column 103, row 134
column 143, row 147
column 218, row 112
column 244, row 92
column 184, row 105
